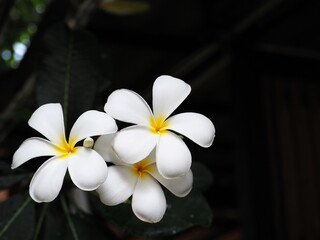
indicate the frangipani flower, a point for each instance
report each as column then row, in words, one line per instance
column 139, row 180
column 154, row 129
column 86, row 167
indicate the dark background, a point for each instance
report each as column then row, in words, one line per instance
column 254, row 68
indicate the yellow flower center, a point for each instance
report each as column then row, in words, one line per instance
column 158, row 125
column 64, row 148
column 142, row 168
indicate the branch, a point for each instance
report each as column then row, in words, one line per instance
column 81, row 17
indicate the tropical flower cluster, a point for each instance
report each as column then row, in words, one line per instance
column 141, row 157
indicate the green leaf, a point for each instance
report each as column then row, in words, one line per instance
column 10, row 180
column 69, row 71
column 202, row 176
column 73, row 230
column 55, row 225
column 40, row 220
column 181, row 214
column 86, row 229
column 84, row 226
column 17, row 114
column 17, row 218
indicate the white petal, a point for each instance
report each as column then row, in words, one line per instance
column 87, row 169
column 103, row 146
column 128, row 106
column 168, row 93
column 180, row 186
column 31, row 148
column 134, row 143
column 92, row 123
column 148, row 200
column 173, row 156
column 118, row 187
column 195, row 126
column 48, row 120
column 47, row 181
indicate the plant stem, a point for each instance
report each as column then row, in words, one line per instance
column 68, row 78
column 15, row 215
column 40, row 221
column 70, row 223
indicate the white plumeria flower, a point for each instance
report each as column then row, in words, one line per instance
column 139, row 180
column 135, row 143
column 86, row 167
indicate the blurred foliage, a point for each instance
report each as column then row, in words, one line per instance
column 123, row 8
column 20, row 26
